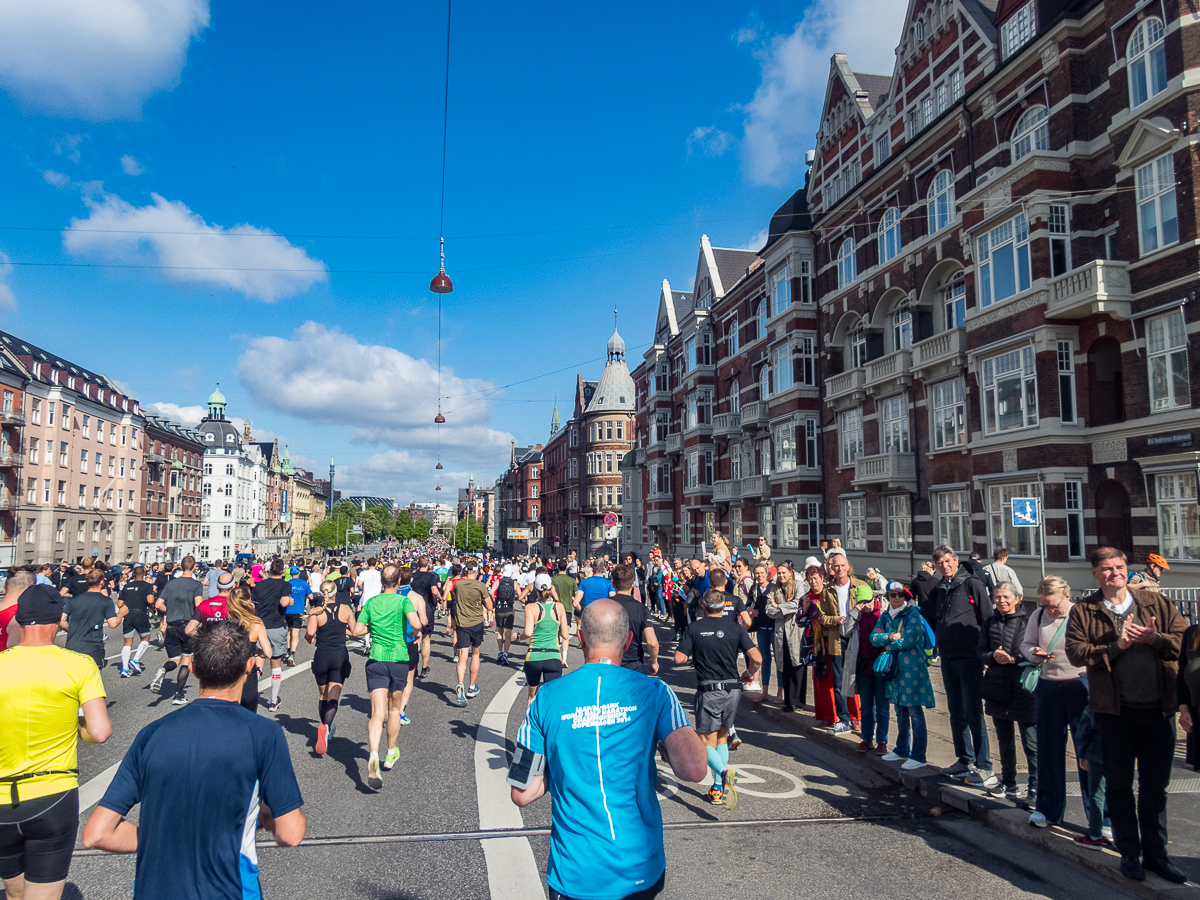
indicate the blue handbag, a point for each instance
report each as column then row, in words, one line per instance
column 887, row 665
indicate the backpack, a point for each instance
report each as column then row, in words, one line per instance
column 506, row 594
column 928, row 641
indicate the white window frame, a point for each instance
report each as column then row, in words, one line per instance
column 948, row 402
column 1076, row 540
column 1009, row 239
column 1068, row 404
column 785, row 446
column 847, row 263
column 1021, row 361
column 850, row 436
column 1031, row 132
column 898, row 519
column 808, row 361
column 1157, row 210
column 811, row 460
column 1018, row 30
column 893, row 424
column 781, row 289
column 1025, row 542
column 788, row 533
column 953, row 296
column 883, row 149
column 1169, row 382
column 902, row 326
column 940, row 199
column 854, row 523
column 889, row 235
column 952, row 512
column 781, row 362
column 1146, row 67
column 1059, row 225
column 1178, row 518
column 732, row 337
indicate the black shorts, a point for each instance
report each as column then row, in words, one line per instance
column 468, row 636
column 38, row 836
column 645, row 894
column 98, row 656
column 390, row 675
column 414, row 654
column 250, row 691
column 539, row 670
column 505, row 619
column 136, row 623
column 331, row 664
column 177, row 642
column 294, row 620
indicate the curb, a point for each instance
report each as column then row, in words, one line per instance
column 996, row 814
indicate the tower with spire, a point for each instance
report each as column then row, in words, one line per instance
column 216, row 403
column 555, row 425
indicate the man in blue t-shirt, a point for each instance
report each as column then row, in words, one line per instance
column 595, row 587
column 295, row 613
column 206, row 777
column 592, row 736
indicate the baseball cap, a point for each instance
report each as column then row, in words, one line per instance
column 39, row 604
column 898, row 586
column 295, row 570
column 542, row 582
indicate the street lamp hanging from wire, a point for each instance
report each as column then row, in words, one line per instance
column 441, row 283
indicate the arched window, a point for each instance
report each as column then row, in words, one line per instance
column 954, row 302
column 764, row 382
column 941, row 201
column 735, row 397
column 847, row 263
column 1147, row 61
column 1032, row 132
column 902, row 327
column 889, row 235
column 858, row 346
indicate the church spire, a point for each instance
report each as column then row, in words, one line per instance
column 554, row 422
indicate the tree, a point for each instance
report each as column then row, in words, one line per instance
column 404, row 529
column 422, row 528
column 469, row 534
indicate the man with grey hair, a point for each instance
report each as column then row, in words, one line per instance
column 593, row 733
column 714, row 643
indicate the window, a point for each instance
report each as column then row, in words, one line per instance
column 902, row 327
column 764, row 382
column 62, row 493
column 1178, row 522
column 858, row 347
column 955, row 86
column 1158, row 224
column 83, row 458
column 850, row 436
column 575, row 528
column 85, row 426
column 941, row 201
column 949, row 415
column 854, row 522
column 806, row 294
column 735, row 397
column 228, row 509
column 764, row 456
column 46, row 490
column 919, row 28
column 83, row 498
column 689, row 354
column 1032, row 132
column 50, row 420
column 899, row 522
column 893, row 424
column 229, row 468
column 787, row 525
column 784, row 374
column 35, row 412
column 785, row 447
column 620, row 431
column 810, row 443
column 731, row 337
column 708, row 470
column 889, row 235
column 1020, row 541
column 808, row 361
column 953, row 519
column 1166, row 342
column 954, row 302
column 1018, row 30
column 1004, row 260
column 1066, row 381
column 1147, row 61
column 883, row 149
column 34, row 451
column 62, row 454
column 1074, row 505
column 535, row 490
column 781, row 290
column 763, row 315
column 693, row 469
column 847, row 264
column 765, row 523
column 1060, row 241
column 533, row 471
column 608, row 462
column 1009, row 391
column 100, row 429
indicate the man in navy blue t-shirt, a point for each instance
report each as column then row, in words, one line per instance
column 207, row 777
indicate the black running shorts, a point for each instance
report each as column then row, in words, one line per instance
column 505, row 620
column 37, row 837
column 331, row 664
column 539, row 670
column 294, row 620
column 136, row 623
column 414, row 654
column 468, row 637
column 178, row 643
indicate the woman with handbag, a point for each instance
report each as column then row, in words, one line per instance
column 1011, row 707
column 1061, row 696
column 900, row 632
column 824, row 709
column 786, row 606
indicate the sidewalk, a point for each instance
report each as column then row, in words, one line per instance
column 1183, row 805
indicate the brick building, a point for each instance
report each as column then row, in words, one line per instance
column 519, row 500
column 13, row 379
column 171, row 481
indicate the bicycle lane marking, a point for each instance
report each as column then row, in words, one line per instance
column 512, row 870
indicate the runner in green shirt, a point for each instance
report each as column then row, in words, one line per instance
column 546, row 630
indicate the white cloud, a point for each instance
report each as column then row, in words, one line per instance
column 403, row 476
column 756, row 243
column 58, row 179
column 781, row 120
column 709, row 139
column 95, row 61
column 8, row 300
column 131, row 166
column 184, row 415
column 254, row 261
column 68, row 146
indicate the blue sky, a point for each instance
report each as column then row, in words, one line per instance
column 589, row 148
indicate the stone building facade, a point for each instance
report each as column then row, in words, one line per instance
column 171, row 487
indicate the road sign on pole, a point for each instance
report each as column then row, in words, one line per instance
column 1025, row 512
column 610, row 520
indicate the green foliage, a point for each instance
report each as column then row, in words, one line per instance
column 469, row 534
column 422, row 528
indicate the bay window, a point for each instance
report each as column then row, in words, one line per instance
column 1003, row 260
column 1009, row 391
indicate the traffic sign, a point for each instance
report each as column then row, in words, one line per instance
column 610, row 520
column 1025, row 513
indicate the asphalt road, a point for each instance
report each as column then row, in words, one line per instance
column 809, row 824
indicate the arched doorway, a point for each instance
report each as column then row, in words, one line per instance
column 1113, row 523
column 1106, row 397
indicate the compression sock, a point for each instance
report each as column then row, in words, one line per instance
column 723, row 752
column 331, row 708
column 125, row 651
column 181, row 678
column 170, row 665
column 141, row 648
column 276, row 681
column 714, row 763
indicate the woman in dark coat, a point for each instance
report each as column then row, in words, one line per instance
column 1188, row 691
column 1011, row 707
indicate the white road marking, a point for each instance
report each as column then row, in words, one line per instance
column 512, row 871
column 745, row 777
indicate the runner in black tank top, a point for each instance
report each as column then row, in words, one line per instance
column 327, row 623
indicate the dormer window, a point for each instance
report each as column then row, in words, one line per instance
column 1018, row 30
column 920, row 30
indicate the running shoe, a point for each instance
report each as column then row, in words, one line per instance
column 274, row 705
column 956, row 770
column 425, row 671
column 180, row 698
column 714, row 796
column 502, row 658
column 289, row 660
column 374, row 782
column 125, row 673
column 157, row 680
column 460, row 696
column 322, row 739
column 472, row 691
column 136, row 667
column 393, row 757
column 332, row 730
column 1089, row 842
column 404, row 719
column 1038, row 820
column 893, row 757
column 729, row 797
column 734, row 742
column 911, row 764
column 842, row 728
column 984, row 778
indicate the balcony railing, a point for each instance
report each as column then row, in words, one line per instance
column 155, row 459
column 886, row 470
column 639, row 456
column 949, row 347
column 693, row 490
column 9, row 459
column 701, row 428
column 755, row 416
column 756, row 486
column 1099, row 286
column 12, row 417
column 895, row 368
column 655, row 495
column 674, row 442
column 724, row 491
column 727, row 426
column 8, row 501
column 848, row 385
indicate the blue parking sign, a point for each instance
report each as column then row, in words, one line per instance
column 1025, row 512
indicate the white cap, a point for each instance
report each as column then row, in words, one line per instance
column 542, row 582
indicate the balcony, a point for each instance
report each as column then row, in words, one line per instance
column 9, row 501
column 725, row 491
column 1099, row 286
column 893, row 369
column 701, row 428
column 12, row 417
column 756, row 486
column 658, row 496
column 9, row 459
column 639, row 456
column 155, row 459
column 674, row 443
column 846, row 388
column 886, row 471
column 946, row 349
column 697, row 489
column 755, row 416
column 727, row 426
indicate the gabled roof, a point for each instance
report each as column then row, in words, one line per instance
column 877, row 87
column 732, row 265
